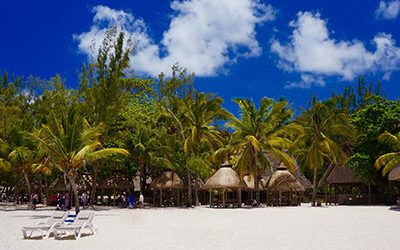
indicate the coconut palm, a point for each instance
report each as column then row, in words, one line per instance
column 199, row 113
column 260, row 132
column 70, row 143
column 389, row 161
column 323, row 129
column 19, row 156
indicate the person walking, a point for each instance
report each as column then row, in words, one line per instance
column 84, row 199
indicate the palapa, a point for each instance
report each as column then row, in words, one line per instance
column 282, row 181
column 224, row 178
column 118, row 182
column 249, row 180
column 336, row 174
column 394, row 175
column 167, row 180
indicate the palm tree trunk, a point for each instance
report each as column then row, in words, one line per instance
column 196, row 191
column 76, row 194
column 94, row 185
column 314, row 186
column 142, row 177
column 29, row 188
column 255, row 171
column 189, row 176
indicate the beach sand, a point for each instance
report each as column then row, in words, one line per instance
column 305, row 227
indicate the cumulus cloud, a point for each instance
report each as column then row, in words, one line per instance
column 306, row 82
column 388, row 10
column 203, row 35
column 312, row 51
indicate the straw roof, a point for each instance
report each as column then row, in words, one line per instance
column 283, row 180
column 394, row 175
column 136, row 182
column 224, row 178
column 336, row 174
column 59, row 185
column 302, row 178
column 298, row 174
column 117, row 181
column 167, row 180
column 249, row 180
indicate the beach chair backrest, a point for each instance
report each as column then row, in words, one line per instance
column 57, row 216
column 85, row 217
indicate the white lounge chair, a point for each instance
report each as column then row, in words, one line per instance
column 45, row 228
column 83, row 220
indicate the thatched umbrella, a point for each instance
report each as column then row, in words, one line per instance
column 249, row 180
column 224, row 178
column 394, row 175
column 283, row 181
column 167, row 180
column 114, row 182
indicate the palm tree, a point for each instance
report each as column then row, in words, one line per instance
column 19, row 156
column 199, row 113
column 70, row 143
column 390, row 160
column 260, row 132
column 323, row 128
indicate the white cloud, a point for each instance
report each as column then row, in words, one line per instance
column 306, row 82
column 311, row 51
column 388, row 10
column 203, row 36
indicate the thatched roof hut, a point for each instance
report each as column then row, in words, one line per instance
column 394, row 175
column 167, row 180
column 249, row 180
column 59, row 184
column 298, row 174
column 282, row 180
column 336, row 174
column 136, row 182
column 117, row 181
column 224, row 178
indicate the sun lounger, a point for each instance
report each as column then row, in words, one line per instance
column 83, row 220
column 45, row 228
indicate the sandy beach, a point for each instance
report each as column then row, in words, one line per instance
column 338, row 227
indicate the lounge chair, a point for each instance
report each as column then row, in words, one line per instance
column 83, row 220
column 45, row 228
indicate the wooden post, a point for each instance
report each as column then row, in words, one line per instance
column 210, row 198
column 280, row 198
column 223, row 197
column 161, row 198
column 114, row 202
column 240, row 197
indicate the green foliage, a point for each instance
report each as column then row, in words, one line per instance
column 372, row 120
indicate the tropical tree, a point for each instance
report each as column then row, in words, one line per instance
column 199, row 113
column 323, row 131
column 389, row 161
column 19, row 156
column 70, row 143
column 261, row 132
column 107, row 86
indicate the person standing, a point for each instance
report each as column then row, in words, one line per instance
column 84, row 199
column 66, row 201
column 35, row 199
column 141, row 201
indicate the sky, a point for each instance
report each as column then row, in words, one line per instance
column 236, row 48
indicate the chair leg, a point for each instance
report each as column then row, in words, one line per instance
column 24, row 233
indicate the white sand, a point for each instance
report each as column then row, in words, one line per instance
column 204, row 228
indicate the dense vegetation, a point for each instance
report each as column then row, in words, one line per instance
column 115, row 121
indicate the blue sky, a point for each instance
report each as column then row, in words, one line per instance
column 241, row 48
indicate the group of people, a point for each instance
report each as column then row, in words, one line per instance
column 130, row 201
